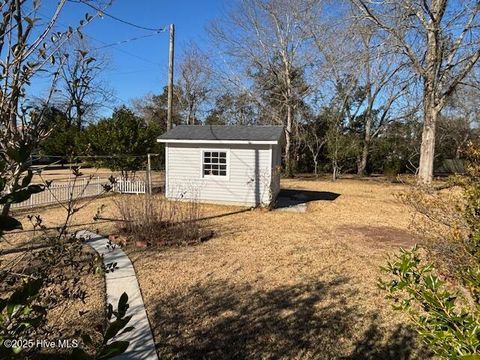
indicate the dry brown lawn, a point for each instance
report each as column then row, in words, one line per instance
column 274, row 284
column 71, row 315
column 284, row 285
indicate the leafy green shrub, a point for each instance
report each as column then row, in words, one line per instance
column 120, row 142
column 448, row 323
column 442, row 293
column 21, row 192
column 20, row 316
column 109, row 347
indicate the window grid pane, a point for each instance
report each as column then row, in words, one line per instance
column 214, row 163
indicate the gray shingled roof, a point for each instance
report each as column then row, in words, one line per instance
column 224, row 132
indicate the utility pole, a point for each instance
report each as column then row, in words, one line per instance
column 149, row 174
column 170, row 75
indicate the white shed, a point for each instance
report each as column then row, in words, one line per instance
column 223, row 164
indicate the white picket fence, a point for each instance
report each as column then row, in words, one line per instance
column 130, row 186
column 60, row 192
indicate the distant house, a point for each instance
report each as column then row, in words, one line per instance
column 223, row 164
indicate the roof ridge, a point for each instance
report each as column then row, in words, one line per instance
column 225, row 132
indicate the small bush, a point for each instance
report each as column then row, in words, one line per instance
column 442, row 294
column 447, row 320
column 159, row 221
column 391, row 170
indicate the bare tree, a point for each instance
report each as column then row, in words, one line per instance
column 265, row 37
column 378, row 79
column 336, row 85
column 194, row 82
column 341, row 146
column 235, row 109
column 459, row 119
column 383, row 83
column 154, row 108
column 440, row 39
column 336, row 81
column 313, row 136
column 28, row 46
column 82, row 93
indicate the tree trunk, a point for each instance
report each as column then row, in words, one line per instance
column 190, row 116
column 79, row 117
column 427, row 151
column 13, row 122
column 6, row 209
column 362, row 164
column 288, row 143
column 458, row 150
column 430, row 108
column 9, row 189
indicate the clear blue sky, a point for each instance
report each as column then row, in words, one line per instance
column 140, row 67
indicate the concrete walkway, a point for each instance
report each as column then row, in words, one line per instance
column 296, row 200
column 123, row 280
column 291, row 203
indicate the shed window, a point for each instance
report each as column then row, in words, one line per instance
column 214, row 163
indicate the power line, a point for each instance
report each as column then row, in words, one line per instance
column 118, row 98
column 124, row 51
column 138, row 57
column 126, row 41
column 126, row 22
column 130, row 72
column 111, row 45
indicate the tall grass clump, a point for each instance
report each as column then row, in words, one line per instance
column 159, row 221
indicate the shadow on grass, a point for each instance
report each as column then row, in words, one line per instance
column 222, row 320
column 293, row 197
column 400, row 345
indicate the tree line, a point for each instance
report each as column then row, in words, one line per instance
column 359, row 86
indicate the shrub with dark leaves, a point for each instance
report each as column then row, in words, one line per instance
column 440, row 287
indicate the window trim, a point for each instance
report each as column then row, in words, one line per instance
column 227, row 163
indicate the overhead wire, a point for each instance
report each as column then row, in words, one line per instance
column 113, row 45
column 125, row 41
column 124, row 51
column 116, row 18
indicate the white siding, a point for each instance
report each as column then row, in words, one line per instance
column 276, row 169
column 248, row 181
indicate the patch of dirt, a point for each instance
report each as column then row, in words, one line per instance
column 381, row 234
